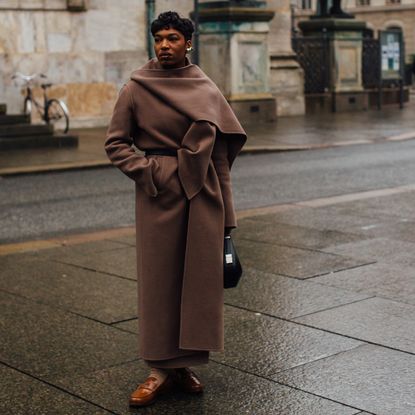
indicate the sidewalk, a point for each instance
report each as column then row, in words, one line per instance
column 322, row 322
column 288, row 133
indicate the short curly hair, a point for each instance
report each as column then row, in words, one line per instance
column 172, row 20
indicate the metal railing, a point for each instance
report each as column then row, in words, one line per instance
column 313, row 54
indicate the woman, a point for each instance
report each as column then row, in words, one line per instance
column 173, row 112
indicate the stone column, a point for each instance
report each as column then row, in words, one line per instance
column 286, row 75
column 234, row 53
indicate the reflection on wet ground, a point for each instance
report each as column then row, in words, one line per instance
column 322, row 322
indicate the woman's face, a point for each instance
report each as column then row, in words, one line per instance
column 170, row 48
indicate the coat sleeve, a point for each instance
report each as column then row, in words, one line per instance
column 221, row 163
column 118, row 145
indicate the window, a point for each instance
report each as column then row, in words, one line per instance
column 362, row 3
column 393, row 1
column 305, row 4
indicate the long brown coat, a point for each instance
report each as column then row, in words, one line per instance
column 183, row 203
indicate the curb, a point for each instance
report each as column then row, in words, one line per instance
column 66, row 166
column 113, row 233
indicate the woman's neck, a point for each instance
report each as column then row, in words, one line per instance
column 185, row 62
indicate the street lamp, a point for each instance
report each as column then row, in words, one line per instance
column 195, row 56
column 150, row 10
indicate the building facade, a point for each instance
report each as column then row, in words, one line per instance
column 88, row 48
column 378, row 14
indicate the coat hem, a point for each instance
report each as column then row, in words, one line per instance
column 205, row 349
column 175, row 356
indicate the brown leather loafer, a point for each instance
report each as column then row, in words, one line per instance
column 147, row 392
column 188, row 380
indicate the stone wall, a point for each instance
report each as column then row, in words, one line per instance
column 88, row 48
column 87, row 55
column 381, row 20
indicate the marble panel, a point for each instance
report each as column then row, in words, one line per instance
column 85, row 68
column 5, row 4
column 25, row 33
column 55, row 4
column 29, row 4
column 59, row 42
column 58, row 23
column 40, row 32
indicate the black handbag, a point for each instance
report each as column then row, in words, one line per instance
column 232, row 268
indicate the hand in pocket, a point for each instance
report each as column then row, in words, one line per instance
column 158, row 172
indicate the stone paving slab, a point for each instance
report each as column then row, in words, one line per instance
column 384, row 280
column 263, row 345
column 227, row 392
column 127, row 240
column 292, row 262
column 128, row 325
column 376, row 320
column 48, row 342
column 21, row 394
column 88, row 293
column 120, row 262
column 378, row 249
column 286, row 297
column 291, row 235
column 297, row 327
column 401, row 230
column 399, row 206
column 325, row 220
column 373, row 378
column 85, row 249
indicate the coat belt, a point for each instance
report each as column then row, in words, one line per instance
column 193, row 157
column 161, row 152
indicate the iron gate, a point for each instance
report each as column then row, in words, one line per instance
column 313, row 54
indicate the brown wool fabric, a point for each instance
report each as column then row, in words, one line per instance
column 183, row 204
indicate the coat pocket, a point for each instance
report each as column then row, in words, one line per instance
column 159, row 173
column 166, row 177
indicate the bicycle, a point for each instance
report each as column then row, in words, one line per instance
column 53, row 111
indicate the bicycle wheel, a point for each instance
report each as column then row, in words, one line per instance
column 57, row 114
column 27, row 106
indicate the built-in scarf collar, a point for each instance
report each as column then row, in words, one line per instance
column 191, row 92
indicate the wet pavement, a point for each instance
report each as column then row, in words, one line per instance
column 322, row 322
column 287, row 134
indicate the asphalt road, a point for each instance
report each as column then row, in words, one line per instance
column 46, row 205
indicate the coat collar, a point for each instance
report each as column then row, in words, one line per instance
column 191, row 92
column 153, row 68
